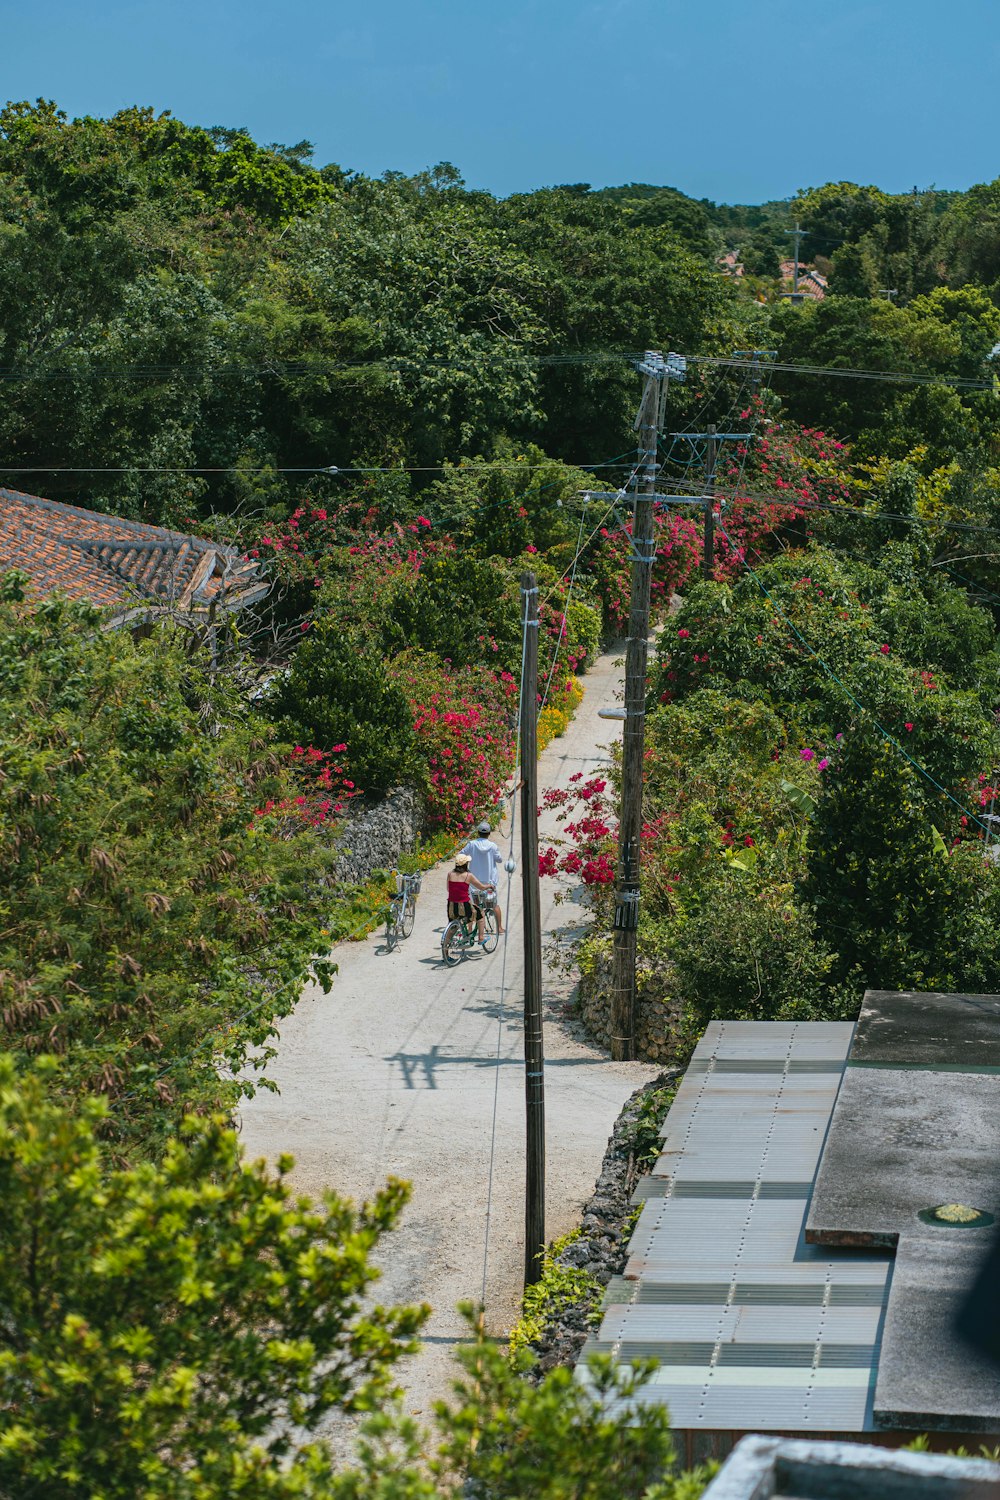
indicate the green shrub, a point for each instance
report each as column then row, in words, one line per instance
column 338, row 690
column 750, row 953
column 903, row 908
column 153, row 927
column 559, row 1287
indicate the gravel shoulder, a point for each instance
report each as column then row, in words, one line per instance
column 400, row 1068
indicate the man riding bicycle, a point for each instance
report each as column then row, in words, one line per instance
column 485, row 859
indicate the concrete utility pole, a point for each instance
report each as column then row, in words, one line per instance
column 755, row 358
column 708, row 555
column 797, row 235
column 648, row 422
column 534, row 1057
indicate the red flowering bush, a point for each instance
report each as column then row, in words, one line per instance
column 678, row 554
column 322, row 794
column 463, row 724
column 590, row 832
column 800, row 466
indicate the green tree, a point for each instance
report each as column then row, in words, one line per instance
column 666, row 208
column 604, row 286
column 839, row 213
column 902, row 908
column 153, row 927
column 176, row 1331
column 971, row 235
column 179, row 1331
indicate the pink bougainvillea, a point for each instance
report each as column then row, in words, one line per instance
column 463, row 723
column 587, row 850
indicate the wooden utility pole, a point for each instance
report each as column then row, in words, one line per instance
column 534, row 1056
column 708, row 558
column 647, row 422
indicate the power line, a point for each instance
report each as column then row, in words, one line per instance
column 689, row 496
column 503, row 963
column 891, row 377
column 565, row 607
column 237, row 468
column 405, row 364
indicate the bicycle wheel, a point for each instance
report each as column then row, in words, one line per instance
column 490, row 934
column 392, row 926
column 409, row 912
column 452, row 943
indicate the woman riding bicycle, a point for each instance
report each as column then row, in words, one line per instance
column 460, row 902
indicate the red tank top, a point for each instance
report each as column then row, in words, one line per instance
column 458, row 890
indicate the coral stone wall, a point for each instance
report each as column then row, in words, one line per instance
column 373, row 838
column 657, row 1025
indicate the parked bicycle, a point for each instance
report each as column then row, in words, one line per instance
column 402, row 908
column 461, row 933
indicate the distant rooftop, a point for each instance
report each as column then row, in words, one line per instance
column 114, row 562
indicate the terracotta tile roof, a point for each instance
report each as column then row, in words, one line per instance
column 811, row 283
column 118, row 563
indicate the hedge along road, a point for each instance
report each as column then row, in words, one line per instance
column 394, row 1072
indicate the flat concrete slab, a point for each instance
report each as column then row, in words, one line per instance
column 916, row 1125
column 927, row 1377
column 789, row 1469
column 928, row 1029
column 900, row 1142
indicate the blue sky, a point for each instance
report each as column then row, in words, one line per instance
column 739, row 102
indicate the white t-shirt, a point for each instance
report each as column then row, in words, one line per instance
column 486, row 860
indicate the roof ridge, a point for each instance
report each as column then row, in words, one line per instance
column 137, row 528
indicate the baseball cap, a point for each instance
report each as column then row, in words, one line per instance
column 484, row 827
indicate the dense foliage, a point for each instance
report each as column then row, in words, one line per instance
column 152, row 928
column 173, row 1330
column 822, row 747
column 397, row 396
column 178, row 1332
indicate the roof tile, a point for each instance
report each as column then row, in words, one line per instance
column 110, row 560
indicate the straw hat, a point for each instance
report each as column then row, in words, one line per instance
column 462, row 862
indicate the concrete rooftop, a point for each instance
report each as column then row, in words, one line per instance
column 916, row 1126
column 779, row 1270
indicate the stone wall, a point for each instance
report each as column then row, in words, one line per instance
column 657, row 1022
column 373, row 838
column 601, row 1249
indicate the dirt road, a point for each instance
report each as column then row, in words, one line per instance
column 396, row 1071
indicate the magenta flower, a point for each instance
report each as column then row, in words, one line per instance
column 824, row 763
column 683, row 634
column 884, row 649
column 807, row 754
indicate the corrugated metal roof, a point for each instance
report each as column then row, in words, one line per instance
column 753, row 1328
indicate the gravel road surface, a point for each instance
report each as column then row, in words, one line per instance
column 396, row 1070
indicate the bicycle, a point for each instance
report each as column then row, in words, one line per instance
column 461, row 933
column 402, row 908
